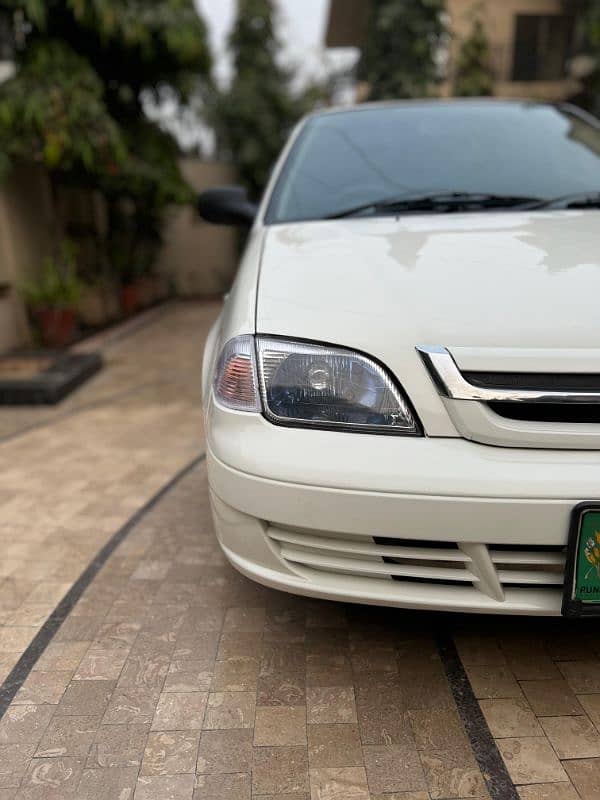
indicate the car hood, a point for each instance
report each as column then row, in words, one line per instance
column 512, row 280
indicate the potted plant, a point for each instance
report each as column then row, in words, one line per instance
column 53, row 298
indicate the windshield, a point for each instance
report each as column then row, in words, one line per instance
column 353, row 158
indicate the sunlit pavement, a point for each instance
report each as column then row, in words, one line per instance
column 173, row 677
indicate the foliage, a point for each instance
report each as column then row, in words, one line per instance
column 255, row 115
column 57, row 285
column 403, row 40
column 474, row 77
column 52, row 113
column 75, row 105
column 591, row 91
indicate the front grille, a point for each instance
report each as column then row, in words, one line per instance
column 535, row 381
column 547, row 412
column 488, row 568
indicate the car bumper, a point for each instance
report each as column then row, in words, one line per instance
column 412, row 522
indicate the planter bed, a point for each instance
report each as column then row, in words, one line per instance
column 43, row 377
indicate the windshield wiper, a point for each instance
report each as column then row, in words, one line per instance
column 579, row 200
column 440, row 202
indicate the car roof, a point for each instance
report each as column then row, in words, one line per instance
column 428, row 102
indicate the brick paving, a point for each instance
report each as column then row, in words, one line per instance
column 175, row 678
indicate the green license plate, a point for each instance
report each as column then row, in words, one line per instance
column 582, row 577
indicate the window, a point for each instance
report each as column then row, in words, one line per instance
column 542, row 46
column 348, row 158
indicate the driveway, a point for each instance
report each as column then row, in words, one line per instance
column 136, row 663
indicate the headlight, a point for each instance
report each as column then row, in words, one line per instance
column 316, row 386
column 310, row 385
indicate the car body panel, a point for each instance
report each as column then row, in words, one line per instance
column 479, row 281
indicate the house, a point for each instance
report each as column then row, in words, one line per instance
column 531, row 41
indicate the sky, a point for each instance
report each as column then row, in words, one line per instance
column 302, row 29
column 302, row 26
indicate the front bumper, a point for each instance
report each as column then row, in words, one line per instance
column 458, row 526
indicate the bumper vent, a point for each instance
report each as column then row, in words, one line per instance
column 489, row 569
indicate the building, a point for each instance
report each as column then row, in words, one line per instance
column 531, row 41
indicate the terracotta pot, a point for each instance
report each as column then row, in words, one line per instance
column 129, row 298
column 92, row 308
column 57, row 325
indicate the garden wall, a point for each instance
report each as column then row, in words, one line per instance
column 200, row 258
column 26, row 223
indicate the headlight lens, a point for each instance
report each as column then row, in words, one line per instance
column 315, row 386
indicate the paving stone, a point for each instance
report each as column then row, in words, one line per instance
column 339, row 783
column 330, row 704
column 225, row 752
column 572, row 737
column 279, row 770
column 334, row 745
column 531, row 760
column 230, row 710
column 393, row 768
column 51, row 779
column 223, row 787
column 452, row 773
column 107, row 784
column 585, row 777
column 180, row 711
column 68, row 736
column 62, row 656
column 188, row 676
column 245, row 619
column 43, row 687
column 170, row 787
column 236, row 674
column 493, row 682
column 25, row 724
column 582, row 676
column 280, row 726
column 479, row 651
column 551, row 698
column 278, row 690
column 170, row 753
column 131, row 705
column 548, row 791
column 118, row 746
column 510, row 718
column 239, row 645
column 382, row 715
column 14, row 759
column 434, row 729
column 85, row 697
column 591, row 705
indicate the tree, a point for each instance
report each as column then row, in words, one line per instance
column 255, row 114
column 590, row 97
column 404, row 38
column 76, row 102
column 473, row 76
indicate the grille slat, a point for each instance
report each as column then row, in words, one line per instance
column 437, row 563
column 356, row 566
column 367, row 548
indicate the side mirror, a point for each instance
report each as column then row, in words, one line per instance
column 227, row 205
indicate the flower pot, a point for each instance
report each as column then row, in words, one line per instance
column 92, row 308
column 129, row 298
column 57, row 325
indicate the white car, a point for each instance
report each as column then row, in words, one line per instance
column 402, row 392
